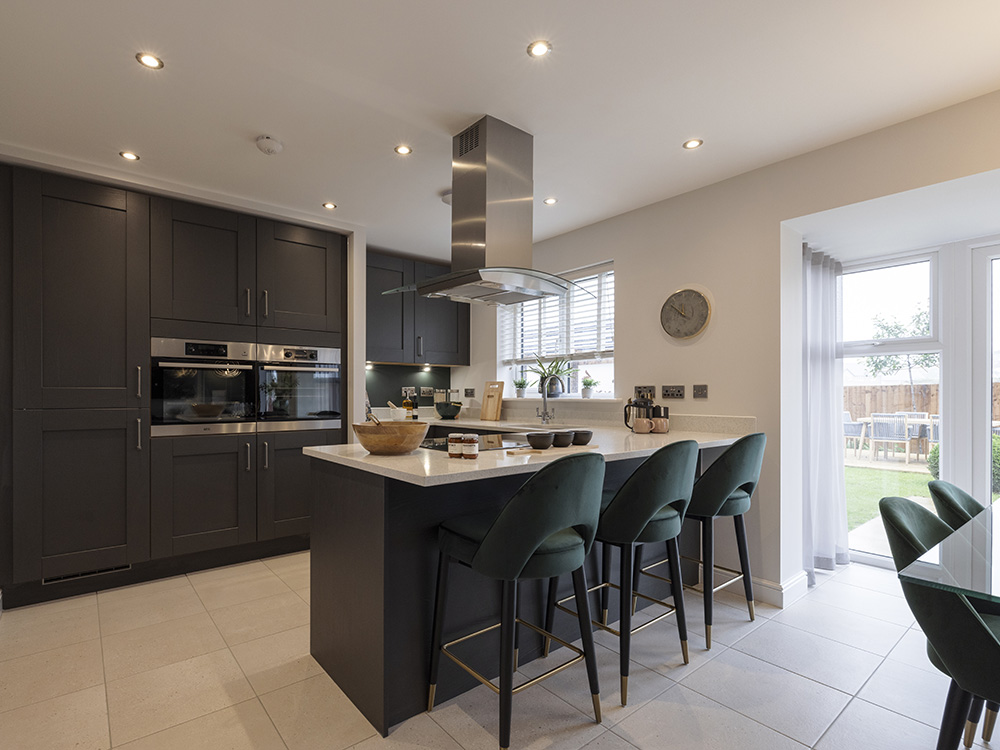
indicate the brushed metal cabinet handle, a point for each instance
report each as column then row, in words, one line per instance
column 420, row 346
column 265, row 303
column 248, row 456
column 248, row 302
column 265, row 455
column 138, row 434
column 138, row 384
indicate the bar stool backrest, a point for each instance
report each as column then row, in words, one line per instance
column 565, row 494
column 736, row 469
column 954, row 506
column 665, row 478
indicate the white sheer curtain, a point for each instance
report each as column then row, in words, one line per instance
column 824, row 506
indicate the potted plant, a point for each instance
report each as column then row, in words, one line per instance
column 588, row 384
column 554, row 371
column 519, row 385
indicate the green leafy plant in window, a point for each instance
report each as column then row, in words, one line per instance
column 555, row 370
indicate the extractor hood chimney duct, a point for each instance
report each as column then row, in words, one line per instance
column 491, row 221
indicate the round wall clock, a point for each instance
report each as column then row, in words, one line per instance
column 685, row 313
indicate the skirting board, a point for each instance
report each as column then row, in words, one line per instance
column 782, row 594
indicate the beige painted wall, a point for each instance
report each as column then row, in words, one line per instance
column 729, row 239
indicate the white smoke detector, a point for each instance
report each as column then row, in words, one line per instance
column 269, row 144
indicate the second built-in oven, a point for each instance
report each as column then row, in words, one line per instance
column 299, row 388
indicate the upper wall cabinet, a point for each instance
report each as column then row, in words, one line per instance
column 203, row 263
column 441, row 326
column 81, row 294
column 300, row 277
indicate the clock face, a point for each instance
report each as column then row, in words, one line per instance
column 685, row 313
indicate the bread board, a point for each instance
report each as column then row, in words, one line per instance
column 492, row 401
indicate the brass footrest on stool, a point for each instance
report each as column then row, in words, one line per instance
column 737, row 576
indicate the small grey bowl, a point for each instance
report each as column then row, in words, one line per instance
column 563, row 439
column 540, row 440
column 582, row 437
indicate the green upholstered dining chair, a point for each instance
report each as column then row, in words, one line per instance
column 649, row 507
column 725, row 489
column 956, row 507
column 961, row 642
column 546, row 529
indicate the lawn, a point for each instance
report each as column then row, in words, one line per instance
column 865, row 487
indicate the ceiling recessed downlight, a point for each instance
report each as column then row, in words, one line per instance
column 539, row 48
column 550, row 201
column 129, row 155
column 150, row 61
column 403, row 150
column 692, row 144
column 329, row 206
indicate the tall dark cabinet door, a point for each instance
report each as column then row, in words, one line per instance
column 81, row 294
column 203, row 263
column 81, row 491
column 283, row 490
column 300, row 273
column 204, row 493
column 441, row 326
column 389, row 327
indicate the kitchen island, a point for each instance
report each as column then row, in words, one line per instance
column 374, row 559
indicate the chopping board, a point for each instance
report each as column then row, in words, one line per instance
column 492, row 400
column 526, row 451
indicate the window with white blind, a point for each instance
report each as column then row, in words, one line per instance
column 579, row 327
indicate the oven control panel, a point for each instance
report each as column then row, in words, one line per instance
column 309, row 355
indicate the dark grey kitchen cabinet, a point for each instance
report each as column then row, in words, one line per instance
column 300, row 277
column 81, row 491
column 283, row 489
column 203, row 493
column 203, row 263
column 81, row 294
column 441, row 327
column 408, row 329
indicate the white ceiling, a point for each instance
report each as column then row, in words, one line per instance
column 341, row 83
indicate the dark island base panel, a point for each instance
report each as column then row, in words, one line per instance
column 22, row 594
column 374, row 567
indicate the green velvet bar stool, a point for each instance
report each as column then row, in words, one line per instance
column 725, row 489
column 961, row 642
column 546, row 529
column 649, row 507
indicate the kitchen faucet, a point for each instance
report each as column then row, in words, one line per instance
column 545, row 414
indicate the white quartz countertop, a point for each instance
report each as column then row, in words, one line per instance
column 428, row 468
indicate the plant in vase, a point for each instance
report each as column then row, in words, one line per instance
column 551, row 374
column 588, row 384
column 519, row 385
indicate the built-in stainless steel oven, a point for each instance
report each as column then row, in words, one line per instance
column 202, row 387
column 299, row 388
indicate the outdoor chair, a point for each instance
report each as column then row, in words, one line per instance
column 934, row 434
column 889, row 429
column 917, row 432
column 854, row 433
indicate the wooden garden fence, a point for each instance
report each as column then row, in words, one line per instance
column 862, row 400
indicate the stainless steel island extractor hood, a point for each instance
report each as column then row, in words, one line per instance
column 491, row 219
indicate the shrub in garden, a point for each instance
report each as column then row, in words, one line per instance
column 934, row 459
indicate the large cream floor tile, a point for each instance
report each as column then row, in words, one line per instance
column 609, row 741
column 248, row 584
column 681, row 719
column 278, row 660
column 78, row 721
column 869, row 577
column 29, row 630
column 911, row 691
column 729, row 623
column 837, row 624
column 240, row 623
column 125, row 592
column 418, row 733
column 912, row 650
column 864, row 601
column 245, row 726
column 834, row 664
column 48, row 674
column 734, row 597
column 229, row 571
column 160, row 698
column 147, row 608
column 291, row 564
column 784, row 701
column 304, row 594
column 540, row 721
column 315, row 713
column 863, row 726
column 154, row 646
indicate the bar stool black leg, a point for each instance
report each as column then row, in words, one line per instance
column 992, row 709
column 625, row 618
column 517, row 630
column 677, row 588
column 605, row 578
column 587, row 636
column 550, row 611
column 436, row 630
column 707, row 574
column 507, row 628
column 972, row 721
column 741, row 544
column 636, row 576
column 956, row 709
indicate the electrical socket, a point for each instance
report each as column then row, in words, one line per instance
column 470, row 392
column 426, row 391
column 645, row 391
column 408, row 390
column 700, row 391
column 673, row 391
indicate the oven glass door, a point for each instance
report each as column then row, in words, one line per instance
column 202, row 391
column 298, row 392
